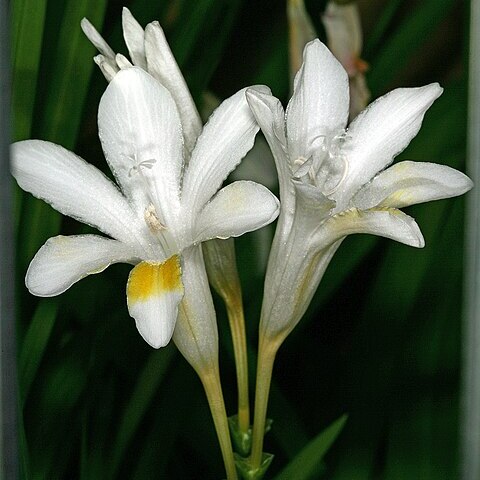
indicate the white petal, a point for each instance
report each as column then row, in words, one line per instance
column 62, row 261
column 141, row 136
column 408, row 183
column 153, row 294
column 225, row 140
column 107, row 66
column 319, row 105
column 387, row 222
column 381, row 132
column 236, row 209
column 73, row 187
column 162, row 65
column 134, row 38
column 195, row 333
column 92, row 34
column 268, row 112
column 122, row 61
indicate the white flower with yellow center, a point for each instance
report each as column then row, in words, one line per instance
column 164, row 207
column 333, row 180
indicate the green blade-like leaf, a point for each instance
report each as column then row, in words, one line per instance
column 409, row 36
column 27, row 30
column 149, row 381
column 308, row 462
column 35, row 343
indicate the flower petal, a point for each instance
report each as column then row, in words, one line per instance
column 101, row 45
column 385, row 222
column 381, row 132
column 73, row 187
column 162, row 65
column 238, row 208
column 134, row 38
column 106, row 67
column 195, row 333
column 225, row 140
column 62, row 261
column 319, row 105
column 269, row 114
column 154, row 291
column 141, row 136
column 408, row 183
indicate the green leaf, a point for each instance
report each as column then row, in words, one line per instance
column 69, row 78
column 308, row 462
column 409, row 36
column 27, row 29
column 149, row 381
column 35, row 343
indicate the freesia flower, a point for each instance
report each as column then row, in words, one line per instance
column 334, row 180
column 163, row 208
column 150, row 51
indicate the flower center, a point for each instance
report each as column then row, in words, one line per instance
column 326, row 166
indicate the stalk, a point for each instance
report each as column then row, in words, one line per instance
column 213, row 390
column 237, row 328
column 267, row 351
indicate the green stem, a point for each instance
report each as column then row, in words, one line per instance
column 237, row 327
column 267, row 351
column 213, row 390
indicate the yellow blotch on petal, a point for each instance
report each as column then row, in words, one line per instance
column 148, row 279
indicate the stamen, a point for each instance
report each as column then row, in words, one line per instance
column 151, row 218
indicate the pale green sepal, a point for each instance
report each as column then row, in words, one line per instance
column 242, row 441
column 308, row 461
column 247, row 472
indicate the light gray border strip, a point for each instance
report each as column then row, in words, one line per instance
column 470, row 428
column 8, row 397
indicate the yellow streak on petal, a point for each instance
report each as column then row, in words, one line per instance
column 148, row 279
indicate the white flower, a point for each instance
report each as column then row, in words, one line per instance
column 332, row 179
column 163, row 208
column 150, row 51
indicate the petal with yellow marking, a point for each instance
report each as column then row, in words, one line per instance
column 154, row 291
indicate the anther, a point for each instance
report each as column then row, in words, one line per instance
column 151, row 218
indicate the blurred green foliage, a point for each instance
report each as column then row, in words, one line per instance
column 381, row 341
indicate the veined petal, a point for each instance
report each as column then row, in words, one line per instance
column 225, row 140
column 162, row 65
column 141, row 136
column 134, row 38
column 381, row 132
column 195, row 333
column 385, row 222
column 269, row 114
column 408, row 183
column 238, row 208
column 62, row 261
column 74, row 188
column 106, row 66
column 319, row 105
column 92, row 34
column 154, row 291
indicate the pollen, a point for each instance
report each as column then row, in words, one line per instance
column 151, row 218
column 149, row 279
